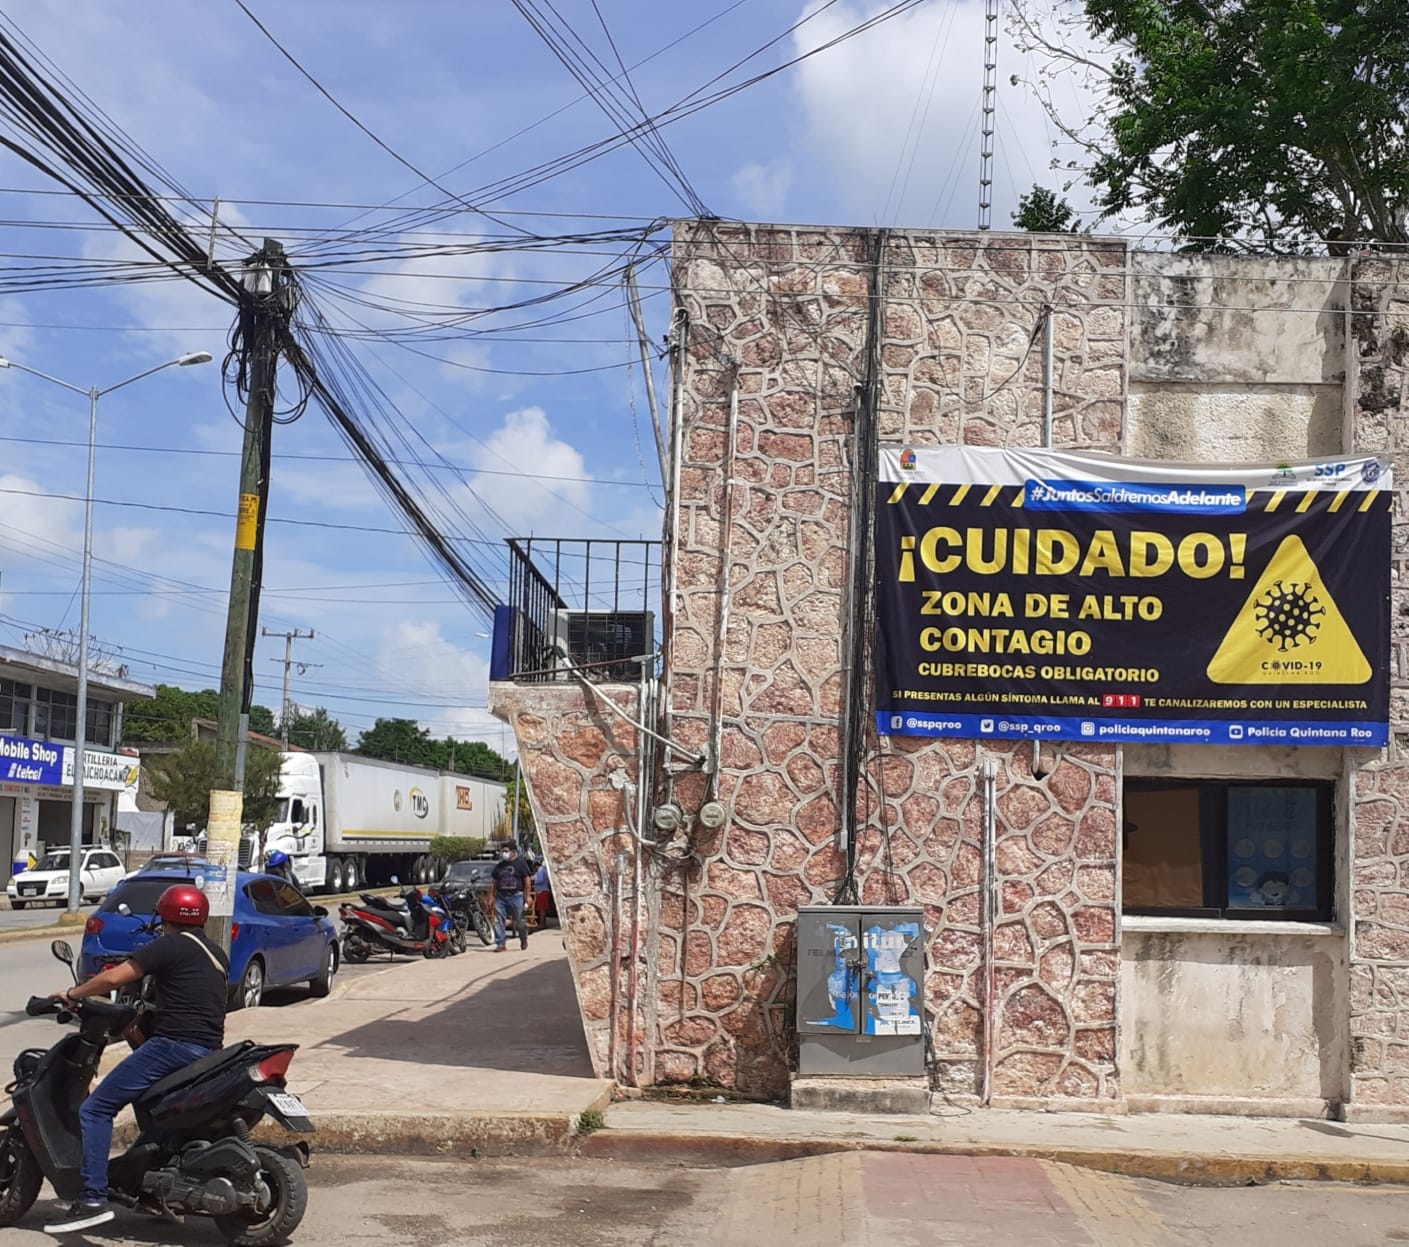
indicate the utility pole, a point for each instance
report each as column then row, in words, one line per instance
column 289, row 638
column 262, row 313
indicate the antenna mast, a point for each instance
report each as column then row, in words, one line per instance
column 990, row 100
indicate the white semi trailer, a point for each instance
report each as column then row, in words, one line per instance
column 346, row 821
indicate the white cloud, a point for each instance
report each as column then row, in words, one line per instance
column 762, row 189
column 527, row 442
column 416, row 662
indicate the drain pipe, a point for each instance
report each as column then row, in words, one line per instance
column 726, row 528
column 990, row 917
column 1048, row 336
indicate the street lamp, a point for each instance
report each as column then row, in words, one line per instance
column 75, row 880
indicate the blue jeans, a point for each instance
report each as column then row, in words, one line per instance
column 150, row 1063
column 509, row 905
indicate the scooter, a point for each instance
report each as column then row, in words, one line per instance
column 392, row 925
column 193, row 1153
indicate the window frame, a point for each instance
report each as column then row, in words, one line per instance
column 1213, row 850
column 18, row 697
column 46, row 700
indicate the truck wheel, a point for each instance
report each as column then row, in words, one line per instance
column 335, row 875
column 349, row 874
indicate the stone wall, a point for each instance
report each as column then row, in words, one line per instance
column 1379, row 839
column 781, row 315
column 772, row 329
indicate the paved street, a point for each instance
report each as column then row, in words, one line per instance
column 918, row 1201
column 33, row 916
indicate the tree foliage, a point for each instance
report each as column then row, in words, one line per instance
column 1271, row 124
column 166, row 718
column 405, row 740
column 1041, row 211
column 182, row 781
column 316, row 730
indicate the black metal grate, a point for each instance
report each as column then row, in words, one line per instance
column 593, row 601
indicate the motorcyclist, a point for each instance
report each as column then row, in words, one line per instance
column 277, row 863
column 191, row 975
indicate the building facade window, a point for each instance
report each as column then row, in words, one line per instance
column 55, row 714
column 1218, row 849
column 14, row 707
column 100, row 723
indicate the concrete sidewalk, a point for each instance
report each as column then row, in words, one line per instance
column 481, row 1053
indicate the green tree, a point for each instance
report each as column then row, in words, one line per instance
column 182, row 781
column 1269, row 124
column 399, row 740
column 474, row 757
column 316, row 730
column 1040, row 211
column 167, row 717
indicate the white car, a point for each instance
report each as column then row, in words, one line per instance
column 48, row 881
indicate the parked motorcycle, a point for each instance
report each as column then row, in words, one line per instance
column 193, row 1154
column 437, row 903
column 469, row 909
column 393, row 925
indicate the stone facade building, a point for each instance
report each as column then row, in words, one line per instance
column 683, row 950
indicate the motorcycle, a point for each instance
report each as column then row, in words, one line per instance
column 193, row 1153
column 437, row 903
column 396, row 926
column 469, row 910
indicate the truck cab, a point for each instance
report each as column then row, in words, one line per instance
column 298, row 826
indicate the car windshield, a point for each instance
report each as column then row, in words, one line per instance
column 53, row 861
column 466, row 872
column 138, row 894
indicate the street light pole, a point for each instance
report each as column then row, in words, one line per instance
column 75, row 875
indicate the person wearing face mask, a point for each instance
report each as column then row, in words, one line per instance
column 511, row 878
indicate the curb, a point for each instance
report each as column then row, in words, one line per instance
column 724, row 1151
column 353, row 1133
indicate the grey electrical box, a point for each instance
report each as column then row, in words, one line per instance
column 860, row 990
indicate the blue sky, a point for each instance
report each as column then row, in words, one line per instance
column 548, row 428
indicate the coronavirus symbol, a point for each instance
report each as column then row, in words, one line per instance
column 1288, row 615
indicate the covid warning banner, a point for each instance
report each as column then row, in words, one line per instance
column 1032, row 594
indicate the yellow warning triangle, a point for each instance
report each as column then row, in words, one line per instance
column 1290, row 630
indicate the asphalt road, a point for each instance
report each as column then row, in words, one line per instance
column 479, row 1203
column 30, row 916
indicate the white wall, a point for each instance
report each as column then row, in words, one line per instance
column 1258, row 1015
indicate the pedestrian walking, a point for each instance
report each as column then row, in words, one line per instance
column 511, row 878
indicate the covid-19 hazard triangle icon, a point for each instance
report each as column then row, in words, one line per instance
column 1289, row 631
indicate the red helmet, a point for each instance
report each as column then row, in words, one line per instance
column 183, row 905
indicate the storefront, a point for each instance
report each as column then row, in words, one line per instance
column 38, row 728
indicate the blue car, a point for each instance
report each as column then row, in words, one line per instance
column 276, row 936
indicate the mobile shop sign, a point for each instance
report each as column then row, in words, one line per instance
column 1039, row 594
column 25, row 761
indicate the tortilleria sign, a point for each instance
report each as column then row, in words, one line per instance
column 102, row 770
column 1051, row 595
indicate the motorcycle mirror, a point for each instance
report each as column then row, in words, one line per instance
column 62, row 951
column 125, row 909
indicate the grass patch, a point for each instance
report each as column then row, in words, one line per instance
column 589, row 1121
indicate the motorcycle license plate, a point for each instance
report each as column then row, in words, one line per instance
column 289, row 1105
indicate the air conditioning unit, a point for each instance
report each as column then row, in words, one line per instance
column 604, row 646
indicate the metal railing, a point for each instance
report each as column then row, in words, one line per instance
column 581, row 604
